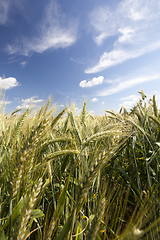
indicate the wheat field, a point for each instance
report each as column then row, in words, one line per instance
column 64, row 176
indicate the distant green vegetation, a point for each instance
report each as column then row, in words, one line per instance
column 85, row 177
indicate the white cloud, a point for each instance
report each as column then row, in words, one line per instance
column 77, row 111
column 23, row 63
column 128, row 104
column 91, row 112
column 29, row 101
column 127, row 34
column 131, row 97
column 95, row 81
column 117, row 56
column 3, row 102
column 94, row 100
column 129, row 101
column 134, row 23
column 108, row 59
column 139, row 10
column 55, row 31
column 5, row 9
column 7, row 83
column 122, row 85
column 99, row 17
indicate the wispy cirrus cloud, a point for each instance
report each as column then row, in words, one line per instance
column 125, row 84
column 7, row 83
column 6, row 6
column 129, row 101
column 54, row 31
column 25, row 103
column 132, row 97
column 135, row 25
column 95, row 81
column 23, row 64
column 4, row 9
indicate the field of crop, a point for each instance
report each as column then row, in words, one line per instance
column 64, row 176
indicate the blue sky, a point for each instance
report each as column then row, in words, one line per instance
column 100, row 51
